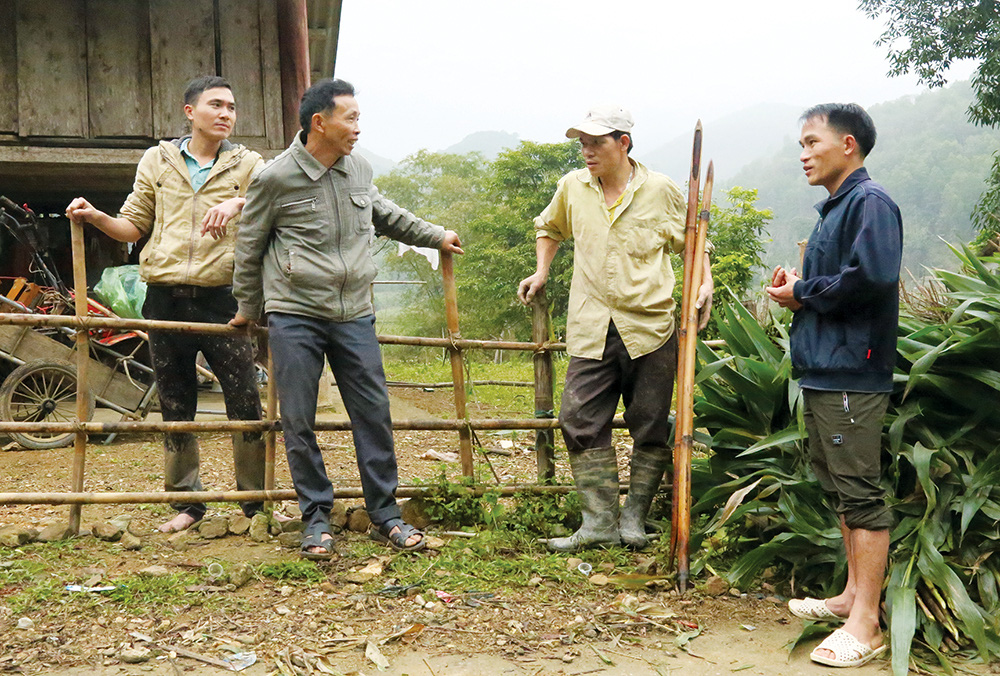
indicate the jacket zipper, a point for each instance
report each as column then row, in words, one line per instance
column 340, row 248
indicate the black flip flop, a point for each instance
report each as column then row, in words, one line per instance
column 315, row 539
column 383, row 533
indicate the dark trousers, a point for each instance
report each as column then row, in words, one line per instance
column 594, row 386
column 231, row 359
column 299, row 345
column 845, row 450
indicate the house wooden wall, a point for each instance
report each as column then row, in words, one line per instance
column 101, row 73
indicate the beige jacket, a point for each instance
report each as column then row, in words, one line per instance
column 621, row 259
column 164, row 205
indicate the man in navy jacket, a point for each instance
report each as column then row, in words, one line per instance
column 843, row 344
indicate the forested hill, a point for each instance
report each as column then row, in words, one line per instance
column 928, row 156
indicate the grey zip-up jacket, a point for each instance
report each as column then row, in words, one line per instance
column 304, row 244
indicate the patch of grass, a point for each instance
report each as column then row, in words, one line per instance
column 27, row 601
column 496, row 561
column 16, row 571
column 138, row 595
column 293, row 570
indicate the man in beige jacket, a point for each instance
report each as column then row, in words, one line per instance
column 625, row 220
column 187, row 197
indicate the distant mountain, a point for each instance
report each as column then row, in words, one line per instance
column 731, row 142
column 929, row 157
column 380, row 165
column 489, row 143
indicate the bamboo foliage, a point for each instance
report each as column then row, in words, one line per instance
column 942, row 437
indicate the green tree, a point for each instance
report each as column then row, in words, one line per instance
column 736, row 231
column 935, row 34
column 501, row 249
column 447, row 190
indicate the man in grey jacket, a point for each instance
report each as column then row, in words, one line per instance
column 303, row 257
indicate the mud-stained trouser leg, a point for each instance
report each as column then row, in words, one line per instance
column 647, row 392
column 232, row 362
column 177, row 386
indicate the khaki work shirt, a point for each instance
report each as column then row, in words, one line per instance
column 621, row 268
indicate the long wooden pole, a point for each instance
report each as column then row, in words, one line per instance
column 457, row 363
column 93, row 322
column 82, row 362
column 544, row 398
column 271, row 416
column 149, row 426
column 685, row 393
column 161, row 497
column 690, row 242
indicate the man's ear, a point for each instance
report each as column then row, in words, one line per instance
column 317, row 122
column 189, row 111
column 851, row 146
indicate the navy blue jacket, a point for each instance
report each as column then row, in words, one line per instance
column 844, row 336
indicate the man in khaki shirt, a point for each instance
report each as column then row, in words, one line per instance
column 620, row 330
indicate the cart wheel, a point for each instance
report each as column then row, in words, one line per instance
column 39, row 391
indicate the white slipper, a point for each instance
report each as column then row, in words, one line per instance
column 813, row 609
column 847, row 651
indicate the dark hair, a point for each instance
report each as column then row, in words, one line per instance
column 319, row 99
column 618, row 134
column 200, row 84
column 846, row 118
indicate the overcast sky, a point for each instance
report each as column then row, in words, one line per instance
column 430, row 72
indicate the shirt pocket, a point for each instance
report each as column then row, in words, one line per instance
column 361, row 203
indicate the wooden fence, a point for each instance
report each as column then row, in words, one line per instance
column 544, row 422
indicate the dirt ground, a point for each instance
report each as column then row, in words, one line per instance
column 334, row 626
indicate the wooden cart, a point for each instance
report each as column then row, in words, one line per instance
column 40, row 382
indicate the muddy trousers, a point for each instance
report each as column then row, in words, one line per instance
column 232, row 362
column 300, row 345
column 593, row 388
column 590, row 399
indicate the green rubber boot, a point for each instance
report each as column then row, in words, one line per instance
column 595, row 472
column 648, row 465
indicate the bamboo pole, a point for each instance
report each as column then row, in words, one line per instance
column 119, row 323
column 544, row 398
column 271, row 416
column 82, row 362
column 94, row 322
column 162, row 497
column 684, row 435
column 229, row 426
column 690, row 241
column 457, row 363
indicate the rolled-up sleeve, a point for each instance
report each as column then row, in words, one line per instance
column 553, row 222
column 140, row 206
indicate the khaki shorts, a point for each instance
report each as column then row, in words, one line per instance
column 845, row 448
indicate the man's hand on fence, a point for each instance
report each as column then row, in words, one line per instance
column 240, row 321
column 451, row 243
column 530, row 286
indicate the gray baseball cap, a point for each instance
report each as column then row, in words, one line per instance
column 602, row 120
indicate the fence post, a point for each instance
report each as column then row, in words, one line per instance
column 271, row 414
column 82, row 361
column 457, row 363
column 544, row 400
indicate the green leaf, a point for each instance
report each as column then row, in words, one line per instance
column 902, row 626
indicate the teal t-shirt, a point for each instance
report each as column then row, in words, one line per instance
column 199, row 173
